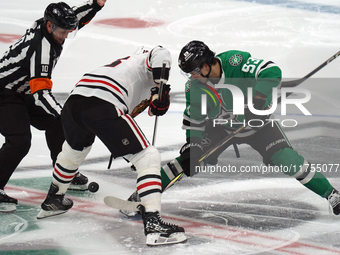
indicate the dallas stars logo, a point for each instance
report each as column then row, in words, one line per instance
column 235, row 60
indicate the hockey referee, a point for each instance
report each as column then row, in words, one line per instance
column 25, row 88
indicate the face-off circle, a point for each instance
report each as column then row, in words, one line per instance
column 129, row 23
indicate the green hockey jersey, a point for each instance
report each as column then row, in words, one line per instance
column 238, row 68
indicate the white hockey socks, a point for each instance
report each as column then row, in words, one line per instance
column 67, row 165
column 149, row 184
column 149, row 187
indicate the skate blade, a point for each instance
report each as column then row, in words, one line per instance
column 44, row 214
column 74, row 187
column 156, row 239
column 7, row 208
column 128, row 214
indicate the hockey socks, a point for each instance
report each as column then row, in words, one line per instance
column 171, row 172
column 149, row 188
column 300, row 169
column 63, row 177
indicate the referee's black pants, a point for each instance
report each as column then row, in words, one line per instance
column 17, row 113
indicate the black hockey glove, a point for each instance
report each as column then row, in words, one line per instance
column 191, row 153
column 253, row 120
column 159, row 107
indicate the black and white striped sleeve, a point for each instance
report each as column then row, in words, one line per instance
column 86, row 12
column 45, row 99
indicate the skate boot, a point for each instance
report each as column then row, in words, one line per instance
column 158, row 232
column 134, row 198
column 54, row 204
column 79, row 183
column 7, row 203
column 334, row 201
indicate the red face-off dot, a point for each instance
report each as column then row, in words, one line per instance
column 130, row 23
column 9, row 38
column 114, row 22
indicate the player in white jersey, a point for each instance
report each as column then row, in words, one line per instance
column 102, row 104
column 125, row 82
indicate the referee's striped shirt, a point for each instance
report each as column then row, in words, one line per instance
column 35, row 55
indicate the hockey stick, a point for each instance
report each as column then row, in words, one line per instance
column 297, row 82
column 294, row 83
column 221, row 143
column 160, row 91
column 177, row 178
column 121, row 204
column 126, row 205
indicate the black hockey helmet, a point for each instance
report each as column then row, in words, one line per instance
column 61, row 15
column 194, row 55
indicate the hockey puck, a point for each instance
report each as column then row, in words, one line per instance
column 93, row 187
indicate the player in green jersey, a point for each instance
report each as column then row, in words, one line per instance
column 239, row 69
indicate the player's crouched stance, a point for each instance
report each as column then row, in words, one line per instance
column 103, row 104
column 205, row 70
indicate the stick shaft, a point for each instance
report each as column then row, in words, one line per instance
column 299, row 81
column 160, row 91
column 221, row 143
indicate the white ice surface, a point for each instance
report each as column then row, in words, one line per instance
column 297, row 35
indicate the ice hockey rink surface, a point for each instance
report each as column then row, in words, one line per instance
column 223, row 213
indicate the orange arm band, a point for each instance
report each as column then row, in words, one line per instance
column 40, row 83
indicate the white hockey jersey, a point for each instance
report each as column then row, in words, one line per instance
column 125, row 82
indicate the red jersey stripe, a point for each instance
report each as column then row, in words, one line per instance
column 100, row 81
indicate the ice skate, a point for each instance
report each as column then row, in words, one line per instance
column 79, row 183
column 334, row 201
column 158, row 232
column 134, row 198
column 7, row 203
column 54, row 204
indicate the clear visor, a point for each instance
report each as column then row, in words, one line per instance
column 196, row 71
column 186, row 75
column 64, row 33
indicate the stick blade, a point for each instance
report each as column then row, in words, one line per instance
column 121, row 204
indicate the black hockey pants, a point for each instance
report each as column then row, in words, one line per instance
column 84, row 118
column 17, row 113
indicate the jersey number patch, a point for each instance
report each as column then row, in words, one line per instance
column 251, row 64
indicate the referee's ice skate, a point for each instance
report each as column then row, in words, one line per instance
column 54, row 204
column 7, row 203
